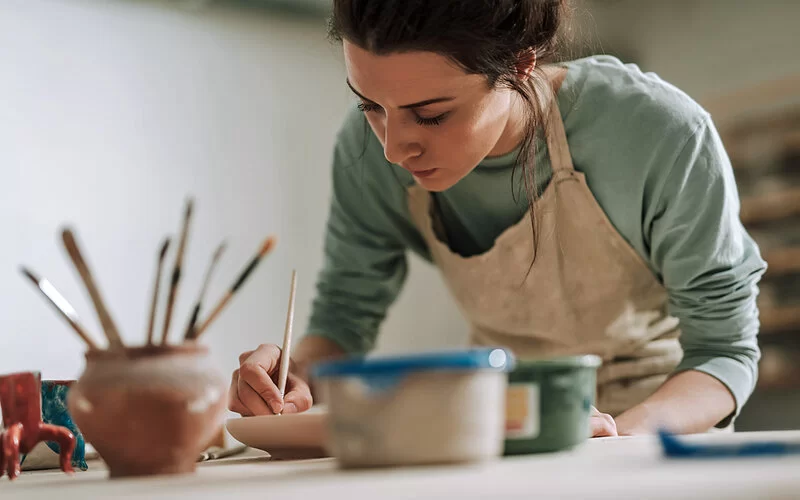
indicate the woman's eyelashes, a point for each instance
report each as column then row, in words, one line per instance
column 436, row 120
column 368, row 107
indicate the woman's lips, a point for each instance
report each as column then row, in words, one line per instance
column 421, row 174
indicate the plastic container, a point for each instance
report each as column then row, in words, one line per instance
column 548, row 403
column 445, row 407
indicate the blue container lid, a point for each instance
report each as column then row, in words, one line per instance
column 493, row 359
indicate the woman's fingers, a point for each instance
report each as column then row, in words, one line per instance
column 251, row 400
column 256, row 389
column 243, row 356
column 234, row 403
column 298, row 395
column 601, row 424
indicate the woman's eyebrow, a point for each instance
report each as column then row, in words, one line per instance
column 404, row 106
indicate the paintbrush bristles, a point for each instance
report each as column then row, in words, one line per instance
column 164, row 248
column 109, row 328
column 189, row 334
column 264, row 249
column 220, row 250
column 210, row 270
column 176, row 272
column 61, row 305
column 29, row 274
column 156, row 286
column 266, row 246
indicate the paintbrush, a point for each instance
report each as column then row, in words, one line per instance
column 62, row 306
column 196, row 312
column 283, row 373
column 266, row 247
column 176, row 272
column 109, row 328
column 156, row 286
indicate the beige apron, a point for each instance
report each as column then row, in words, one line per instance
column 587, row 292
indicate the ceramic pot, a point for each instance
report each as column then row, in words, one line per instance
column 149, row 410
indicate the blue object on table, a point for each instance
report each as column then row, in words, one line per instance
column 495, row 359
column 55, row 412
column 385, row 372
column 677, row 448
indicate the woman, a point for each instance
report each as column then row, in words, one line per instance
column 582, row 207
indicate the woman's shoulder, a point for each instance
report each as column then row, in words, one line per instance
column 603, row 91
column 634, row 136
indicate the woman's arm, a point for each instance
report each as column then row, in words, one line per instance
column 711, row 268
column 364, row 254
column 688, row 402
column 311, row 350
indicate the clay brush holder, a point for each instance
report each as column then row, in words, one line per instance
column 149, row 410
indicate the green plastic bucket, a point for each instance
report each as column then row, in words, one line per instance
column 548, row 403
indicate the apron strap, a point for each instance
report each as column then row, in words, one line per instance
column 560, row 158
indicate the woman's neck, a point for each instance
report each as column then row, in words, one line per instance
column 514, row 131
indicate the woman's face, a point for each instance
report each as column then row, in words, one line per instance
column 432, row 118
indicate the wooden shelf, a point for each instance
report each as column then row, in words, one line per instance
column 767, row 125
column 764, row 208
column 791, row 140
column 749, row 156
column 779, row 368
column 780, row 319
column 782, row 261
column 753, row 100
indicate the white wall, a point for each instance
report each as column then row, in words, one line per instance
column 707, row 48
column 113, row 112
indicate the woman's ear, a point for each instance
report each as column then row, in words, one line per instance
column 526, row 63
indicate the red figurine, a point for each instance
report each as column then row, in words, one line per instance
column 21, row 403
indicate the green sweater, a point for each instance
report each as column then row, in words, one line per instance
column 654, row 162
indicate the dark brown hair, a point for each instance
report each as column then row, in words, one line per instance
column 485, row 37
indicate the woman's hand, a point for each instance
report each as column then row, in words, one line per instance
column 254, row 390
column 601, row 424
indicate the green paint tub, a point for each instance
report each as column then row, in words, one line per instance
column 548, row 402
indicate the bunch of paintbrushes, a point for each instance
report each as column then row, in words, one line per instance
column 194, row 328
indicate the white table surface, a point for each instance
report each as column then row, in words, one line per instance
column 631, row 467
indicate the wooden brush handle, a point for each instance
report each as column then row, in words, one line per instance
column 109, row 327
column 173, row 290
column 211, row 317
column 283, row 372
column 176, row 272
column 266, row 247
column 72, row 322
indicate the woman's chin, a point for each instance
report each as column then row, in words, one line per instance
column 438, row 181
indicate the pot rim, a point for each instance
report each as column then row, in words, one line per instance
column 146, row 351
column 558, row 363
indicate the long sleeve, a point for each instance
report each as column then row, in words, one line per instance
column 364, row 266
column 709, row 264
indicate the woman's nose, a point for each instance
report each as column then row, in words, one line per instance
column 399, row 143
